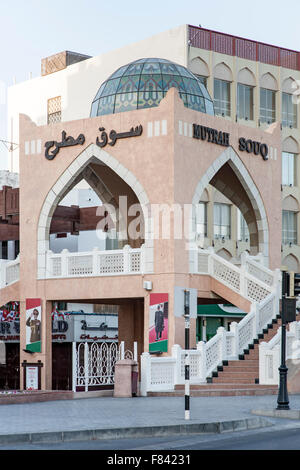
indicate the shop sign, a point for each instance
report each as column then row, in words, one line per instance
column 106, row 138
column 215, row 136
column 89, row 327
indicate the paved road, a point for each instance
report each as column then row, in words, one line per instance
column 282, row 436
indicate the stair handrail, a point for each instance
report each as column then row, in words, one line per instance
column 269, row 353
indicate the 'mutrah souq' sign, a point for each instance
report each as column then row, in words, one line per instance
column 215, row 136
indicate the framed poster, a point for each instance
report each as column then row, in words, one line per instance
column 158, row 322
column 32, row 378
column 33, row 325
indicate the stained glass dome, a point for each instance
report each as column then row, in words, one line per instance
column 144, row 83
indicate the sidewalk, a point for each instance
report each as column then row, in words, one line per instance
column 108, row 418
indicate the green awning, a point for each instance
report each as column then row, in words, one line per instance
column 219, row 310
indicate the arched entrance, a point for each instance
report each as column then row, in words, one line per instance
column 110, row 180
column 229, row 175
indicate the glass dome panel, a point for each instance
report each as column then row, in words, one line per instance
column 129, row 84
column 149, row 98
column 111, row 87
column 151, row 81
column 151, row 67
column 106, row 104
column 125, row 102
column 144, row 83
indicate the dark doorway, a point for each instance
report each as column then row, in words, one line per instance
column 61, row 366
column 10, row 372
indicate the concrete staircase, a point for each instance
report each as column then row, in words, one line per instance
column 235, row 378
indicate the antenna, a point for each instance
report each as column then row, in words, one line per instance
column 10, row 146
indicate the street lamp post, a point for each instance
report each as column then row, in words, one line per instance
column 288, row 314
column 187, row 347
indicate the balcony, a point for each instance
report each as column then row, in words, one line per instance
column 9, row 272
column 95, row 263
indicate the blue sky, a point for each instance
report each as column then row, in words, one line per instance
column 33, row 29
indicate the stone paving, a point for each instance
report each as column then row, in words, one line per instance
column 110, row 413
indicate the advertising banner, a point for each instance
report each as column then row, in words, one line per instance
column 33, row 325
column 158, row 322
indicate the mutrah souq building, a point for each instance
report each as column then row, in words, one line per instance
column 149, row 150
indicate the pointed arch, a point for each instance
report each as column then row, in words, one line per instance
column 224, row 254
column 291, row 262
column 269, row 82
column 230, row 157
column 223, row 72
column 290, row 145
column 199, row 67
column 246, row 77
column 68, row 179
column 289, row 85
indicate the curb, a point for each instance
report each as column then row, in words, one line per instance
column 135, row 432
column 286, row 414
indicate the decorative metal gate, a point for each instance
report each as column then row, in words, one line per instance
column 94, row 363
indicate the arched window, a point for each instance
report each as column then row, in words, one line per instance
column 222, row 89
column 245, row 95
column 289, row 106
column 290, row 150
column 268, row 89
column 200, row 68
column 290, row 208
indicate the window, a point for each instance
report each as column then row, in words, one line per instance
column 289, row 111
column 289, row 227
column 202, row 220
column 222, row 222
column 202, row 79
column 288, row 168
column 245, row 102
column 267, row 105
column 243, row 232
column 54, row 110
column 222, row 97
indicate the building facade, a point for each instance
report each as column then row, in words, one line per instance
column 218, row 174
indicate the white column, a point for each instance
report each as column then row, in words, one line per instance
column 86, row 366
column 64, row 262
column 145, row 373
column 202, row 350
column 126, row 259
column 74, row 366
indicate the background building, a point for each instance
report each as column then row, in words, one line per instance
column 251, row 83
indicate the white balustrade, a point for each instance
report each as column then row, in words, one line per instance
column 270, row 354
column 94, row 263
column 9, row 272
column 253, row 281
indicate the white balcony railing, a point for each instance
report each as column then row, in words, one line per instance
column 95, row 263
column 9, row 272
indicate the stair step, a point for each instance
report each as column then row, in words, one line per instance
column 216, row 386
column 237, row 374
column 242, row 368
column 249, row 362
column 237, row 380
column 207, row 391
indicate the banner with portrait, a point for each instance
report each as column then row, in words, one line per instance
column 33, row 325
column 158, row 322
